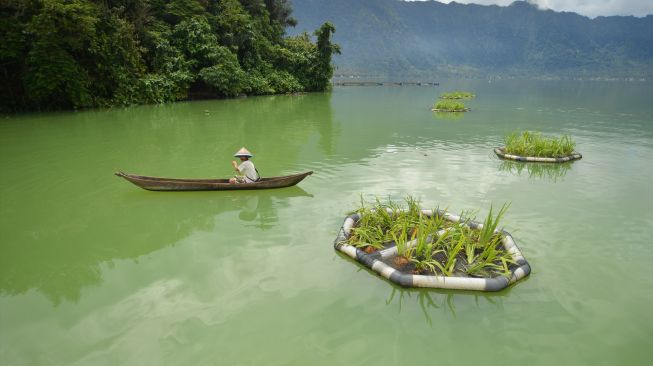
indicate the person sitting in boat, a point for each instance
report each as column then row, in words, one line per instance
column 247, row 173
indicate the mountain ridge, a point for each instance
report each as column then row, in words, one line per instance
column 398, row 38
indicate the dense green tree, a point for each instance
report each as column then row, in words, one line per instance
column 280, row 11
column 14, row 16
column 115, row 64
column 85, row 53
column 225, row 74
column 178, row 10
column 61, row 35
column 322, row 68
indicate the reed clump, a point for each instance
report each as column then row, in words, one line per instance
column 532, row 143
column 457, row 95
column 449, row 106
column 432, row 244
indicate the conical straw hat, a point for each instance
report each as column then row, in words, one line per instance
column 243, row 152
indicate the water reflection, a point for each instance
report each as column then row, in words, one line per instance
column 249, row 210
column 138, row 223
column 260, row 208
column 449, row 116
column 93, row 220
column 430, row 300
column 551, row 172
column 182, row 140
column 425, row 301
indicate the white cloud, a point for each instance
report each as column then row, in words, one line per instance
column 591, row 8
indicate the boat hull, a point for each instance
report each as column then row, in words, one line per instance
column 177, row 184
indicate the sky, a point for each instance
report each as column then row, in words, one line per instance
column 590, row 8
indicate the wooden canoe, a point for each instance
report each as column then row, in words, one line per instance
column 177, row 184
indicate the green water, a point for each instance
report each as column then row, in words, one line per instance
column 95, row 271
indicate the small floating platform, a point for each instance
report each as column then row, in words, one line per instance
column 501, row 152
column 375, row 83
column 378, row 261
column 450, row 110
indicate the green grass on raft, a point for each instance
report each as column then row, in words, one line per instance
column 449, row 105
column 440, row 247
column 532, row 143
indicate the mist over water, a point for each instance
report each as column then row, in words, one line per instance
column 94, row 270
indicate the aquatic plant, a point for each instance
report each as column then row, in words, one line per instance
column 422, row 233
column 457, row 95
column 371, row 228
column 400, row 234
column 381, row 223
column 413, row 205
column 470, row 248
column 427, row 264
column 432, row 243
column 489, row 240
column 487, row 233
column 449, row 106
column 365, row 236
column 532, row 143
column 421, row 254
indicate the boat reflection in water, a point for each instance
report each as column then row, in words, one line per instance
column 260, row 208
column 133, row 225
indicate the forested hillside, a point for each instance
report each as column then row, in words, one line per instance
column 392, row 37
column 86, row 53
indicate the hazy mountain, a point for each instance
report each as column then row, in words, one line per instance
column 397, row 38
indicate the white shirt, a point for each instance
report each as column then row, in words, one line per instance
column 247, row 169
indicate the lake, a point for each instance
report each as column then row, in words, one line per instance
column 95, row 271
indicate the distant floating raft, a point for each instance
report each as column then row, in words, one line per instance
column 376, row 83
column 376, row 262
column 501, row 152
column 450, row 110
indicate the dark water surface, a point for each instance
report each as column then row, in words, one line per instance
column 95, row 271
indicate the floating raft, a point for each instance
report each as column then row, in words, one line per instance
column 450, row 110
column 376, row 83
column 501, row 152
column 374, row 261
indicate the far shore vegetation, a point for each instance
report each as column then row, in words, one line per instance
column 449, row 106
column 84, row 53
column 533, row 143
column 457, row 95
column 432, row 245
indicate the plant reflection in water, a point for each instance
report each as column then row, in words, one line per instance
column 449, row 116
column 536, row 170
column 441, row 300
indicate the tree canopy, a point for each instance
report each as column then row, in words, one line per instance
column 90, row 53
